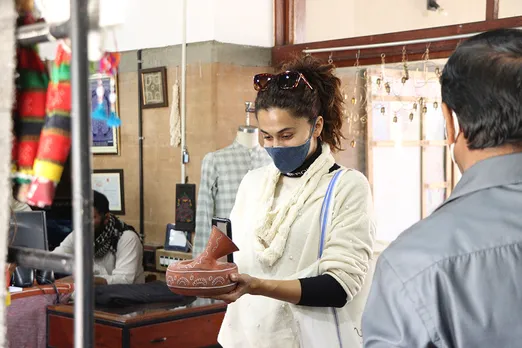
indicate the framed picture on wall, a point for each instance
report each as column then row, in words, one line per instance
column 105, row 139
column 154, row 88
column 110, row 183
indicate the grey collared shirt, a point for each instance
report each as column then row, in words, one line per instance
column 455, row 278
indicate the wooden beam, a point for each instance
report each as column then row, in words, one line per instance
column 298, row 21
column 289, row 21
column 279, row 22
column 440, row 49
column 492, row 9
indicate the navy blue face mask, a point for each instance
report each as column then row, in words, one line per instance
column 289, row 158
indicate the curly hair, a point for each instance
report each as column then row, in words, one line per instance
column 324, row 100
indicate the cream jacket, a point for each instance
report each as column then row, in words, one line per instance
column 256, row 321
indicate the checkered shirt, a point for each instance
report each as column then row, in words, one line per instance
column 221, row 174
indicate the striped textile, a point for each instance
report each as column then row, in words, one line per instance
column 28, row 113
column 55, row 140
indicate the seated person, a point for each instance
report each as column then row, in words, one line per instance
column 18, row 206
column 118, row 248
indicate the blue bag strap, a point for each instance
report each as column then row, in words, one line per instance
column 325, row 215
column 325, row 209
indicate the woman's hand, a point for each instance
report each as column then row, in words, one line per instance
column 245, row 285
column 282, row 290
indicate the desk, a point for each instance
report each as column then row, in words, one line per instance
column 153, row 325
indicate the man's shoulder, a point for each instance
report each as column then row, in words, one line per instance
column 129, row 236
column 422, row 245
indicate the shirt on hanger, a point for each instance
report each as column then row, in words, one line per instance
column 221, row 174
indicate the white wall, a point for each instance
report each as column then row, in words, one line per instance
column 244, row 22
column 509, row 8
column 335, row 19
column 157, row 23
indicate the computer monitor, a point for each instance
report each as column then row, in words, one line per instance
column 28, row 230
column 31, row 230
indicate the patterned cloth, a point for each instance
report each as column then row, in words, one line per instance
column 26, row 320
column 108, row 239
column 28, row 112
column 55, row 141
column 221, row 174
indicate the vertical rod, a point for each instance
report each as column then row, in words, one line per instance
column 140, row 145
column 183, row 91
column 422, row 149
column 81, row 171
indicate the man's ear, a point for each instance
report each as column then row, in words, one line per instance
column 448, row 121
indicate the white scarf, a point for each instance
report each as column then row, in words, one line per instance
column 273, row 228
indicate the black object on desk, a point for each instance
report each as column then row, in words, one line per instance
column 119, row 295
column 27, row 229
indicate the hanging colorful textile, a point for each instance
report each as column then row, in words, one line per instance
column 55, row 141
column 28, row 112
column 105, row 107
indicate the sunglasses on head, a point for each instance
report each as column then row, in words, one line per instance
column 285, row 80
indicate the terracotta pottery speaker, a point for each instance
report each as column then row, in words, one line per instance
column 205, row 275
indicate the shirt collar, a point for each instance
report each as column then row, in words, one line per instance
column 492, row 172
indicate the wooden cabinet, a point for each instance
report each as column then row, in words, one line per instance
column 194, row 326
column 60, row 331
column 190, row 332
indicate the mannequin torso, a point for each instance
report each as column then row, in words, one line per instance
column 248, row 137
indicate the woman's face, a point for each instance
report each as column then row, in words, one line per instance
column 280, row 129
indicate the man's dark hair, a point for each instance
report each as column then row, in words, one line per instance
column 482, row 83
column 100, row 202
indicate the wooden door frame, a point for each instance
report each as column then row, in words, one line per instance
column 289, row 22
column 289, row 25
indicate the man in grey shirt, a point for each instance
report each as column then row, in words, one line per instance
column 455, row 278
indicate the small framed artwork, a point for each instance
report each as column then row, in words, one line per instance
column 110, row 183
column 105, row 139
column 154, row 88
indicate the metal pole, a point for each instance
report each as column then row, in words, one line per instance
column 81, row 171
column 44, row 260
column 390, row 44
column 140, row 146
column 183, row 91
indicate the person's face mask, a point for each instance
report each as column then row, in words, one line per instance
column 457, row 132
column 289, row 158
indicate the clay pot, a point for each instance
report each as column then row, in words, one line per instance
column 205, row 275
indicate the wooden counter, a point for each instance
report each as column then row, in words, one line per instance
column 155, row 325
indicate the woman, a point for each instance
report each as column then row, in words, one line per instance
column 277, row 212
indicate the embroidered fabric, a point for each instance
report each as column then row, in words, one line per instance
column 273, row 227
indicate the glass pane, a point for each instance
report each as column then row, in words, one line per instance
column 384, row 127
column 434, row 198
column 434, row 122
column 434, row 164
column 396, row 189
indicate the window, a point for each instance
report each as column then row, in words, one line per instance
column 407, row 161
